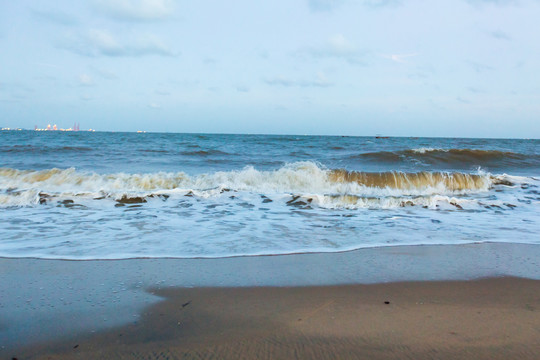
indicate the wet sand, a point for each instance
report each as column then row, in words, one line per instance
column 291, row 306
column 482, row 319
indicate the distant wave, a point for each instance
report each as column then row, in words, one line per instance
column 449, row 157
column 468, row 153
column 42, row 149
column 424, row 150
column 157, row 151
column 66, row 149
column 204, row 153
column 306, row 180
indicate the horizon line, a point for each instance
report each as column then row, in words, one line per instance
column 378, row 135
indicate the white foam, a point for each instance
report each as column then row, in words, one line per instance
column 24, row 187
column 296, row 208
column 424, row 150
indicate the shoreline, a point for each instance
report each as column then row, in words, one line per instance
column 47, row 300
column 263, row 255
column 493, row 318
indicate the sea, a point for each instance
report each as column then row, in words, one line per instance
column 111, row 195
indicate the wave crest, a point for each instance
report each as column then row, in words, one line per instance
column 409, row 181
column 26, row 187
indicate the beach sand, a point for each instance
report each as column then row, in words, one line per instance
column 496, row 318
column 471, row 301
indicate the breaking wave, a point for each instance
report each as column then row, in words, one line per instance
column 308, row 181
column 445, row 182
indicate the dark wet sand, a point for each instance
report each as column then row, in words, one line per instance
column 496, row 318
column 249, row 307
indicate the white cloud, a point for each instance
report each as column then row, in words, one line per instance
column 480, row 3
column 97, row 42
column 324, row 5
column 319, row 81
column 398, row 57
column 162, row 92
column 148, row 45
column 48, row 65
column 475, row 90
column 104, row 73
column 210, row 61
column 500, row 35
column 242, row 88
column 479, row 67
column 85, row 80
column 104, row 42
column 15, row 87
column 55, row 16
column 135, row 10
column 381, row 3
column 331, row 5
column 339, row 44
column 154, row 106
column 336, row 47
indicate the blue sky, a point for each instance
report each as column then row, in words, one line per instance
column 466, row 68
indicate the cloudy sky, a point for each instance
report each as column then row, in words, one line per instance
column 466, row 68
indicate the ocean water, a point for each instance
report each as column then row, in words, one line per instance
column 82, row 195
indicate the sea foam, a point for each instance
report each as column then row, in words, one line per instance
column 27, row 187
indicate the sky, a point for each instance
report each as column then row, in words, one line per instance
column 451, row 68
